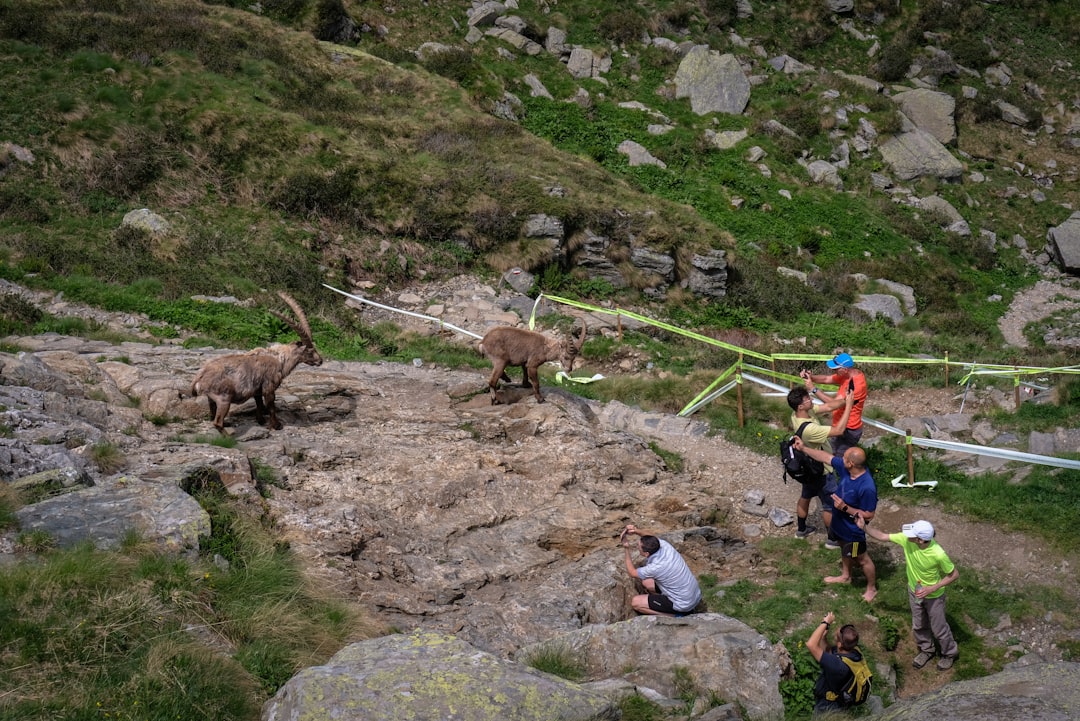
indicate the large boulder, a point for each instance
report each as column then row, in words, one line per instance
column 931, row 111
column 106, row 513
column 720, row 653
column 917, row 153
column 1065, row 243
column 434, row 677
column 714, row 83
column 1043, row 691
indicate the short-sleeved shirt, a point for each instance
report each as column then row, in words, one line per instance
column 815, row 435
column 926, row 566
column 857, row 492
column 855, row 419
column 673, row 576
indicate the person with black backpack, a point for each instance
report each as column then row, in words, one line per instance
column 815, row 478
column 845, row 676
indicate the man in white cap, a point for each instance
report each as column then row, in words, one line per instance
column 848, row 379
column 929, row 571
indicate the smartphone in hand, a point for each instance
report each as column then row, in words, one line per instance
column 851, row 385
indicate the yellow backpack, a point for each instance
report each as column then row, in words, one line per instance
column 858, row 689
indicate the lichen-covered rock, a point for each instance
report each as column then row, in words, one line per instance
column 720, row 654
column 1043, row 691
column 428, row 676
column 714, row 83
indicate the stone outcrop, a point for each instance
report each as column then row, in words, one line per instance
column 428, row 676
column 718, row 652
column 1044, row 691
column 917, row 153
column 931, row 111
column 714, row 83
column 1064, row 243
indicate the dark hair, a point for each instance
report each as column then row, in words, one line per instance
column 796, row 396
column 650, row 544
column 849, row 638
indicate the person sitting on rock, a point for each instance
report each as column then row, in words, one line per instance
column 671, row 587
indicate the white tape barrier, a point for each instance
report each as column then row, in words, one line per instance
column 951, row 445
column 437, row 321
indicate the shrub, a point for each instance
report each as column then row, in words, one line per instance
column 971, row 52
column 895, row 58
column 288, row 11
column 622, row 27
column 721, row 12
column 17, row 203
column 802, row 117
column 107, row 457
column 17, row 315
column 457, row 64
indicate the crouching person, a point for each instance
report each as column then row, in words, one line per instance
column 671, row 587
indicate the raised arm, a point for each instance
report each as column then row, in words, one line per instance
column 818, row 640
column 872, row 532
column 816, row 453
column 840, row 426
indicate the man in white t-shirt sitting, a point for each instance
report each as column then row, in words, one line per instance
column 672, row 589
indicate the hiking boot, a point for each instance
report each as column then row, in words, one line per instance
column 924, row 658
column 832, row 544
column 803, row 534
column 945, row 663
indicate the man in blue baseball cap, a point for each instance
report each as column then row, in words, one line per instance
column 848, row 379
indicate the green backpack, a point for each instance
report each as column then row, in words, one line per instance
column 858, row 689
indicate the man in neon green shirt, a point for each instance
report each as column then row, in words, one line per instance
column 929, row 570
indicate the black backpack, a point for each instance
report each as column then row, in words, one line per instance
column 797, row 464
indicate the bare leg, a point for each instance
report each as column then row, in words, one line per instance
column 845, row 573
column 532, row 374
column 871, row 577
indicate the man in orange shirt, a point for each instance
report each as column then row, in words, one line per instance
column 850, row 380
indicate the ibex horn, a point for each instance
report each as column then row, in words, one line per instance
column 301, row 327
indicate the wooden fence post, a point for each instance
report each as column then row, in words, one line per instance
column 1016, row 388
column 946, row 369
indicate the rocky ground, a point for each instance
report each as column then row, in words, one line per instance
column 424, row 501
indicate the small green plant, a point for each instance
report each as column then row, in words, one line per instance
column 890, row 633
column 673, row 461
column 265, row 477
column 558, row 661
column 107, row 457
column 36, row 541
column 638, row 708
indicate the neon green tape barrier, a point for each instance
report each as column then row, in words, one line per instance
column 712, row 385
column 812, row 357
column 660, row 324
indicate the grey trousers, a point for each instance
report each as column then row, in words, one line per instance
column 928, row 622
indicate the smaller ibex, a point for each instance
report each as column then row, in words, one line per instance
column 507, row 346
column 256, row 374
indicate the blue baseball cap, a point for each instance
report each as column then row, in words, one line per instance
column 841, row 361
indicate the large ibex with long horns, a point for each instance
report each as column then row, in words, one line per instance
column 507, row 346
column 256, row 374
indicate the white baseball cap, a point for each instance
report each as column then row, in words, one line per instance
column 922, row 530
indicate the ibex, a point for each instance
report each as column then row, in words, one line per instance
column 257, row 373
column 507, row 346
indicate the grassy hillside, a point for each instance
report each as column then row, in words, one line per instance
column 281, row 162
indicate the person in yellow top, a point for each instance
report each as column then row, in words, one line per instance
column 929, row 571
column 816, row 435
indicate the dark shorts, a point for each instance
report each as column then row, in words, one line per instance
column 852, row 549
column 822, row 491
column 661, row 603
column 848, row 439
